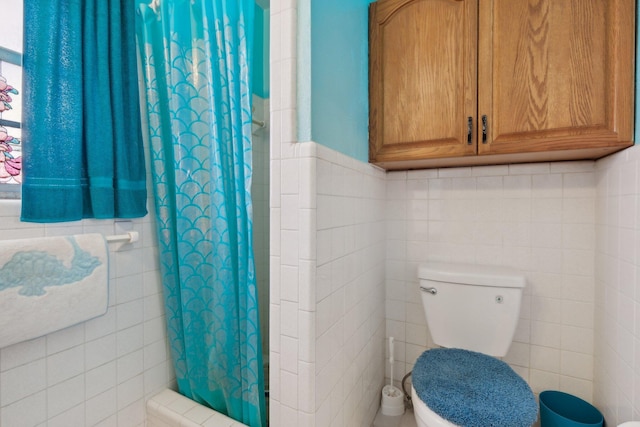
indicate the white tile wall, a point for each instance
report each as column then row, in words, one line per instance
column 349, row 290
column 536, row 217
column 617, row 290
column 98, row 372
column 327, row 289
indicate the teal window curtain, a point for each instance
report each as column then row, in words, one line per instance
column 83, row 153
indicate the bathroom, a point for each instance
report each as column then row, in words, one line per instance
column 345, row 242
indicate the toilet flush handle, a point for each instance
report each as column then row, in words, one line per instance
column 432, row 290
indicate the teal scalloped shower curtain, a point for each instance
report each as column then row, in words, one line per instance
column 196, row 63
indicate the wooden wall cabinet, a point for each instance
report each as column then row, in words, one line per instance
column 473, row 82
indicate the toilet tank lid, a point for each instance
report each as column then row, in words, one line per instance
column 472, row 274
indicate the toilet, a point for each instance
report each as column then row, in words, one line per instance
column 472, row 312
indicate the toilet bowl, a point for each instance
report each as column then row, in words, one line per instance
column 472, row 312
column 424, row 415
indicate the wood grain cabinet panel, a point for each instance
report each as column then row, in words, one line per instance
column 469, row 82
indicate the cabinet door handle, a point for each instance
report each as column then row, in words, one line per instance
column 469, row 129
column 484, row 129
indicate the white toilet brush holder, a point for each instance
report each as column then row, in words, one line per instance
column 392, row 397
column 392, row 401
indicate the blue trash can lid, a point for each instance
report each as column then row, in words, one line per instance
column 472, row 389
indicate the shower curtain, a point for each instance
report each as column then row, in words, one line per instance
column 196, row 61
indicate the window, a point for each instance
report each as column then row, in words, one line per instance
column 10, row 99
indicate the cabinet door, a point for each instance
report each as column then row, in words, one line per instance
column 422, row 79
column 556, row 75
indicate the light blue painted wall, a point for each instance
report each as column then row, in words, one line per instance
column 333, row 106
column 303, row 80
column 637, row 130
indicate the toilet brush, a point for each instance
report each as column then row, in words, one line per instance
column 391, row 359
column 392, row 397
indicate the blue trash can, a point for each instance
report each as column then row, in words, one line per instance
column 558, row 409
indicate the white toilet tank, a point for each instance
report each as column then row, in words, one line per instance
column 472, row 307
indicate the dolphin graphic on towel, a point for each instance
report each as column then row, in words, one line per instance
column 34, row 270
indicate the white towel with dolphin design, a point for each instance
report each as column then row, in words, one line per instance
column 50, row 283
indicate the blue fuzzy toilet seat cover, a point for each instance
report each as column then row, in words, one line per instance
column 472, row 389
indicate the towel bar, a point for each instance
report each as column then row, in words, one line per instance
column 130, row 237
